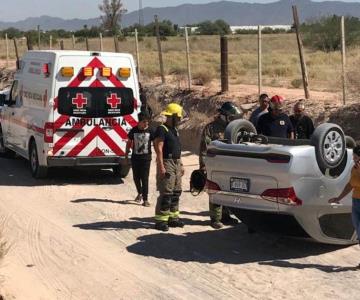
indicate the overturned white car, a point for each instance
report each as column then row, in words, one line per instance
column 284, row 185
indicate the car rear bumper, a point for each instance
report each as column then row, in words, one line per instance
column 109, row 161
column 242, row 200
column 322, row 223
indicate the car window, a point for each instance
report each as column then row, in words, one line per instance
column 96, row 102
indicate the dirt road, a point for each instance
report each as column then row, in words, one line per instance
column 78, row 236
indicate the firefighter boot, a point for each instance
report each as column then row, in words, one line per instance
column 162, row 226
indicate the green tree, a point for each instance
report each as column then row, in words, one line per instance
column 324, row 34
column 219, row 27
column 12, row 33
column 112, row 14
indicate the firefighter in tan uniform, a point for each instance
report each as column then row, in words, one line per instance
column 169, row 169
column 214, row 131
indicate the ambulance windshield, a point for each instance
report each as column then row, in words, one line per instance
column 95, row 102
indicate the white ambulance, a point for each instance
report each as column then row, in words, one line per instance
column 70, row 109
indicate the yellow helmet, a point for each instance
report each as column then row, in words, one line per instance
column 173, row 109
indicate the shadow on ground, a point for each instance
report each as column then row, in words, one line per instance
column 15, row 172
column 231, row 245
column 133, row 223
column 121, row 202
column 326, row 269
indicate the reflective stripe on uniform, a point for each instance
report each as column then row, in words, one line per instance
column 174, row 215
column 163, row 126
column 162, row 218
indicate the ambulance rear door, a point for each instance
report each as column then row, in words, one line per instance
column 95, row 107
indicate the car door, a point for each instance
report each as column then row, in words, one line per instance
column 10, row 111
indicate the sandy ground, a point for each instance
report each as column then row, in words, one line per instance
column 79, row 236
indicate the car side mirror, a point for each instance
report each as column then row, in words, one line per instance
column 2, row 99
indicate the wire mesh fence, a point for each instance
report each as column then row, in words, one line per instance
column 280, row 60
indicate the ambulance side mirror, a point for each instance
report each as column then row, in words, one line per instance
column 2, row 99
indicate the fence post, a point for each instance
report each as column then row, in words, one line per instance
column 224, row 64
column 62, row 45
column 259, row 60
column 7, row 49
column 343, row 58
column 157, row 29
column 301, row 52
column 50, row 42
column 87, row 44
column 73, row 41
column 137, row 53
column 116, row 43
column 39, row 37
column 101, row 42
column 17, row 55
column 29, row 43
column 188, row 57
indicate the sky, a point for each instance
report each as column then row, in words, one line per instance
column 15, row 10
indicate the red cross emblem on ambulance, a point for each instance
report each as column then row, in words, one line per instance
column 113, row 100
column 80, row 101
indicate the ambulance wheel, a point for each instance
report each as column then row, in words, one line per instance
column 37, row 171
column 121, row 171
column 5, row 152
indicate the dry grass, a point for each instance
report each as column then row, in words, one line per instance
column 280, row 59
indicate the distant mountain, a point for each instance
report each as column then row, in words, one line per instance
column 49, row 23
column 235, row 13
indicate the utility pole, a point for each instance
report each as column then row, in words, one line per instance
column 141, row 14
column 301, row 52
column 39, row 36
column 161, row 62
column 343, row 58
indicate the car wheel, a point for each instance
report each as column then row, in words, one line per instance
column 330, row 147
column 235, row 130
column 121, row 171
column 5, row 152
column 350, row 142
column 37, row 171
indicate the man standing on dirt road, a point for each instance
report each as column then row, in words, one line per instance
column 169, row 169
column 213, row 131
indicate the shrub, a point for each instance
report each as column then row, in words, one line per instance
column 203, row 77
column 296, row 83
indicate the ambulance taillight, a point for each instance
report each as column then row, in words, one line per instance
column 46, row 70
column 88, row 72
column 49, row 132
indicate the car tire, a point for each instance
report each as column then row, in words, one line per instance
column 121, row 171
column 350, row 142
column 37, row 171
column 330, row 146
column 237, row 126
column 5, row 152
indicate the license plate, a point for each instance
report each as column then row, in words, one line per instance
column 239, row 184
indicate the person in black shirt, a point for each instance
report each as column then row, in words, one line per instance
column 169, row 169
column 139, row 140
column 275, row 123
column 303, row 125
